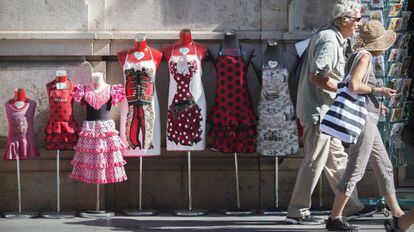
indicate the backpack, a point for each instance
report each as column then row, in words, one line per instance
column 293, row 80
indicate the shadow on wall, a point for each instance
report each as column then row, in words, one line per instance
column 33, row 77
column 310, row 15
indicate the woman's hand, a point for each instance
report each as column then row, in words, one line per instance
column 386, row 92
column 383, row 109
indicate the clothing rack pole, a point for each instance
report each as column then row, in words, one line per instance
column 19, row 192
column 140, row 183
column 58, row 180
column 276, row 182
column 190, row 198
column 237, row 180
column 97, row 197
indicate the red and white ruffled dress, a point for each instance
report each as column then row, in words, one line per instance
column 98, row 153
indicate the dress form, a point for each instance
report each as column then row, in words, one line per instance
column 140, row 116
column 18, row 103
column 233, row 106
column 186, row 103
column 61, row 85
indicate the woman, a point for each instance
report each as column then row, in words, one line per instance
column 400, row 224
column 369, row 146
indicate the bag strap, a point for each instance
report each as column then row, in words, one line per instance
column 355, row 61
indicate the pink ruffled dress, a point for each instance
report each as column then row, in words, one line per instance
column 21, row 142
column 98, row 153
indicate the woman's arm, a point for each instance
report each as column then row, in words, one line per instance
column 356, row 85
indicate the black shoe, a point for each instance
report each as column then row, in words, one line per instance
column 391, row 225
column 367, row 211
column 340, row 225
column 305, row 220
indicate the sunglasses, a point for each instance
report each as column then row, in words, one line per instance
column 353, row 18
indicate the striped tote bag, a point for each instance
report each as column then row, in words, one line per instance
column 346, row 117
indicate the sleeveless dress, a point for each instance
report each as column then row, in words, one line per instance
column 186, row 104
column 61, row 129
column 277, row 133
column 140, row 120
column 98, row 153
column 232, row 117
column 21, row 141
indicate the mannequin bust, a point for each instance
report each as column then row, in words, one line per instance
column 273, row 57
column 19, row 99
column 98, row 82
column 140, row 52
column 232, row 46
column 185, row 45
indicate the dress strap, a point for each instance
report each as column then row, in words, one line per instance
column 172, row 51
column 152, row 58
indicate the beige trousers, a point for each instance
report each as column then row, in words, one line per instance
column 368, row 149
column 322, row 152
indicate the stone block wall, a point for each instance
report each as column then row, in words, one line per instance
column 40, row 36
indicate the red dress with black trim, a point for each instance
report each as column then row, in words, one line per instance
column 233, row 118
column 61, row 129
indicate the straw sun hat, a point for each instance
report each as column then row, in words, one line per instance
column 374, row 36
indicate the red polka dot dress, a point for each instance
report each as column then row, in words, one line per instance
column 186, row 110
column 61, row 129
column 233, row 119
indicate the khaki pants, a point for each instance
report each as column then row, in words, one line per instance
column 368, row 149
column 322, row 152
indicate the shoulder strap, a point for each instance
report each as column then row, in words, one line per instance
column 355, row 61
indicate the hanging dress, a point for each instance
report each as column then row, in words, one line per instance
column 141, row 120
column 61, row 129
column 98, row 153
column 186, row 103
column 21, row 141
column 232, row 117
column 277, row 133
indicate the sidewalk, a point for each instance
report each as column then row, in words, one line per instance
column 166, row 222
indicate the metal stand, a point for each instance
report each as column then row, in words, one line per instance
column 20, row 214
column 58, row 214
column 190, row 212
column 238, row 211
column 97, row 213
column 139, row 212
column 276, row 210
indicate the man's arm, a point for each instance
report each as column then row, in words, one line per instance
column 324, row 82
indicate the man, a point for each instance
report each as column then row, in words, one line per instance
column 323, row 68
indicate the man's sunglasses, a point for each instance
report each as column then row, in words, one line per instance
column 353, row 18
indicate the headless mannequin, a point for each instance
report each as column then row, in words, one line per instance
column 231, row 46
column 185, row 42
column 19, row 100
column 140, row 46
column 98, row 82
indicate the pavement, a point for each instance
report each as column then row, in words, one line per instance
column 167, row 222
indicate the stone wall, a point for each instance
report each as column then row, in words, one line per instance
column 40, row 36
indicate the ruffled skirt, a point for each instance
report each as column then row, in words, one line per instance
column 98, row 154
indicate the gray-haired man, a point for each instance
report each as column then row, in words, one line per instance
column 323, row 67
